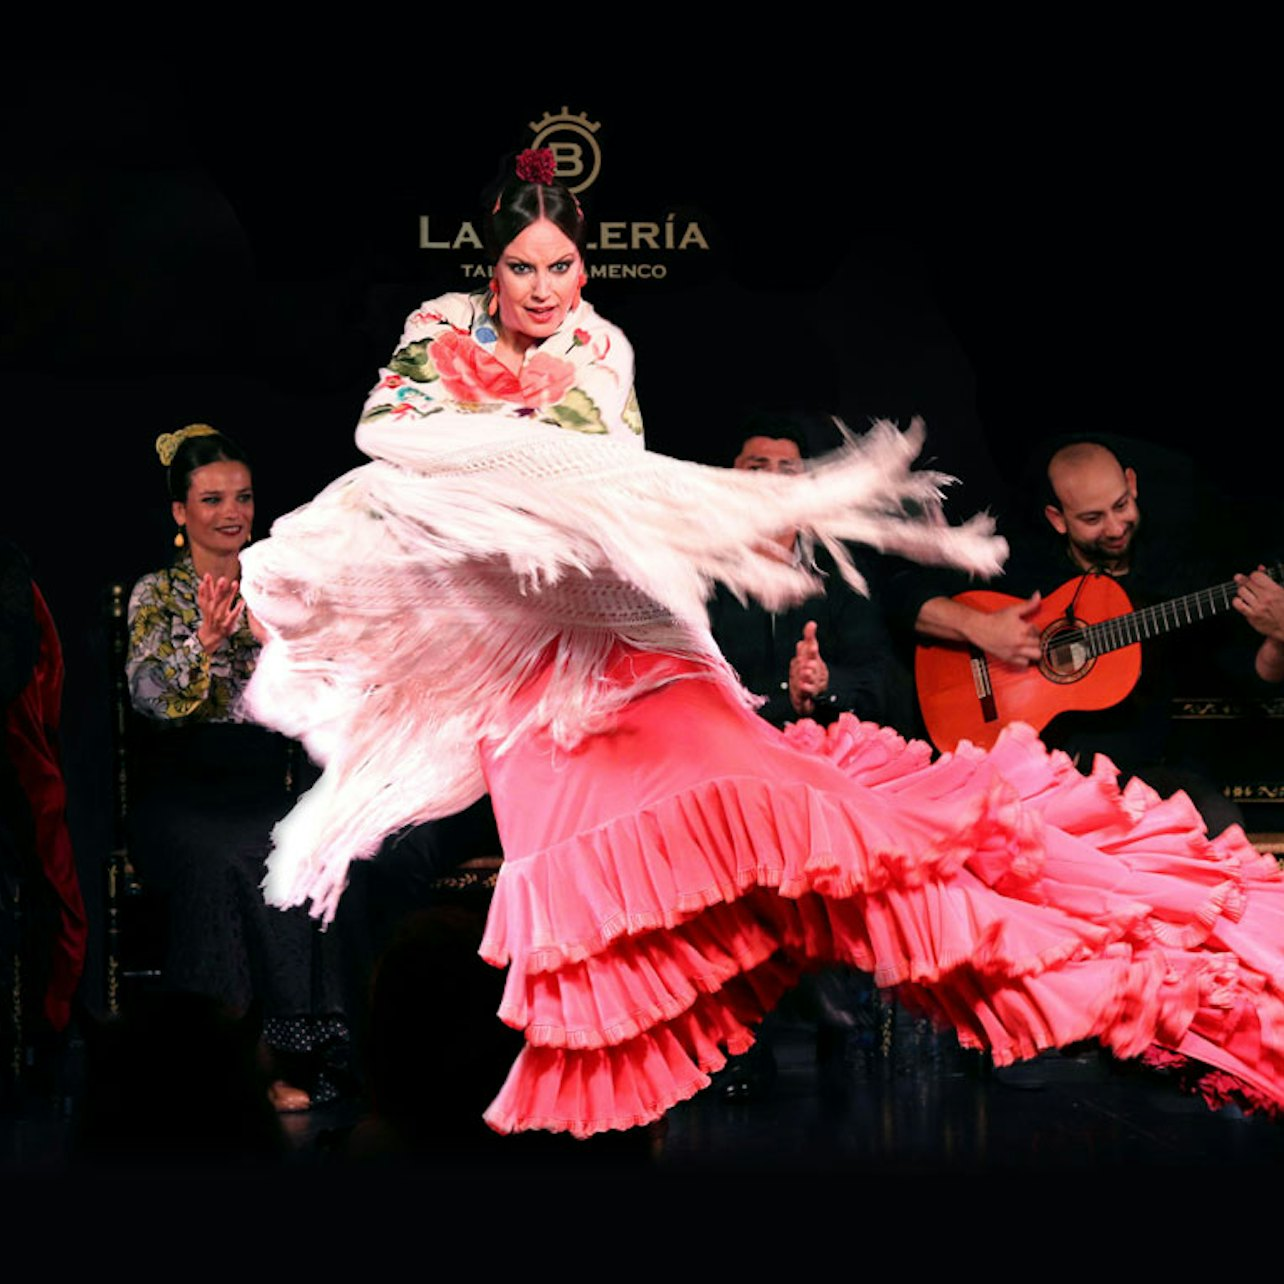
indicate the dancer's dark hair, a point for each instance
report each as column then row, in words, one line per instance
column 513, row 203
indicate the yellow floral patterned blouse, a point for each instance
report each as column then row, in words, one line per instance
column 171, row 676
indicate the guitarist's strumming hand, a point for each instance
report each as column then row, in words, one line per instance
column 1008, row 634
column 808, row 673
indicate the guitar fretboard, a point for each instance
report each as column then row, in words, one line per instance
column 1152, row 621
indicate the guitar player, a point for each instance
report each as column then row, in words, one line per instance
column 1093, row 514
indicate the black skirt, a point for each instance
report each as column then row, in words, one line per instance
column 203, row 801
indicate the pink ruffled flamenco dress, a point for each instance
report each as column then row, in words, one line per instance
column 665, row 882
column 495, row 603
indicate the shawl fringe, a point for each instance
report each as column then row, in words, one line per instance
column 416, row 596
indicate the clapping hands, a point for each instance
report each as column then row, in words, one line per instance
column 221, row 607
column 808, row 673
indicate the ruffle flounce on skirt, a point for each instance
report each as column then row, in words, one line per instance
column 666, row 882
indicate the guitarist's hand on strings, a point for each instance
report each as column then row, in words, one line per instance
column 1261, row 602
column 1009, row 634
column 808, row 673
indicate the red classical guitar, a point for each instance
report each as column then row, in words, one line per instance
column 1091, row 642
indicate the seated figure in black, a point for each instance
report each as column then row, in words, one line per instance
column 823, row 657
column 207, row 788
column 817, row 659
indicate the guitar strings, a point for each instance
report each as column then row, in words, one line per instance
column 1124, row 630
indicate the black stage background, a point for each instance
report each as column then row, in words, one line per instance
column 1009, row 255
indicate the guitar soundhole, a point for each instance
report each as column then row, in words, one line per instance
column 1066, row 655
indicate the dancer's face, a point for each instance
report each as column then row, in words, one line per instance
column 537, row 275
column 219, row 511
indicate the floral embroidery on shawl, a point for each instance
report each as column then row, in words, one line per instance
column 580, row 378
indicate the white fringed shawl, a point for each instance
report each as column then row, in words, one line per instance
column 416, row 595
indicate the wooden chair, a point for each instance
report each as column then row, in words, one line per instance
column 132, row 943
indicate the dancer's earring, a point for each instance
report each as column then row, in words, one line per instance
column 179, row 540
column 579, row 285
column 492, row 305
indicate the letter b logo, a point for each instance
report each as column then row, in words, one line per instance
column 575, row 151
column 570, row 159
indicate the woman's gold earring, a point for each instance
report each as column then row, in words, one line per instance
column 179, row 541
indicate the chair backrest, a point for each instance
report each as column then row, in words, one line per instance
column 127, row 959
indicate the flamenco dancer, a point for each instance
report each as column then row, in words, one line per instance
column 510, row 598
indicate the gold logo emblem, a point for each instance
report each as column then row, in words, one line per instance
column 571, row 140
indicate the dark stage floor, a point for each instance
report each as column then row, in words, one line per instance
column 920, row 1108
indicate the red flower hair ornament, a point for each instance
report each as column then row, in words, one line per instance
column 536, row 165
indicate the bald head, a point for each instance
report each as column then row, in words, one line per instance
column 1096, row 508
